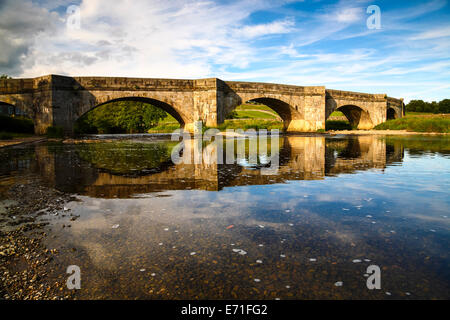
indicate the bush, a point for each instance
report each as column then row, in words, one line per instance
column 16, row 124
column 55, row 132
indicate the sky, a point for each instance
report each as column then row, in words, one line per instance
column 310, row 42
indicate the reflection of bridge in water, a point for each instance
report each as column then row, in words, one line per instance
column 301, row 158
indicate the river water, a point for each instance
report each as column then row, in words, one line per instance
column 146, row 228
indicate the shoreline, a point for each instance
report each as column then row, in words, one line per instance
column 383, row 132
column 26, row 262
column 21, row 141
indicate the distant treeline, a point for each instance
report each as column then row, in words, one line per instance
column 120, row 117
column 442, row 106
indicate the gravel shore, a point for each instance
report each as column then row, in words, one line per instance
column 25, row 262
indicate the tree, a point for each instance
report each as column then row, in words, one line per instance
column 416, row 106
column 444, row 106
column 5, row 76
column 436, row 107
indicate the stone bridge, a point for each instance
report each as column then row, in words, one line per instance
column 56, row 100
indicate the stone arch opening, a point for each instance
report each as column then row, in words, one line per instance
column 284, row 112
column 358, row 118
column 391, row 114
column 280, row 107
column 154, row 102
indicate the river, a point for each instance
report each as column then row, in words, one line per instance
column 141, row 227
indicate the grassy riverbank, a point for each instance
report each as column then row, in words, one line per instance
column 418, row 123
column 414, row 122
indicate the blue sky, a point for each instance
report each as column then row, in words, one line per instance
column 293, row 42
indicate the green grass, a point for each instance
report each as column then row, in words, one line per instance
column 251, row 114
column 337, row 114
column 165, row 127
column 410, row 113
column 436, row 123
column 256, row 124
column 253, row 111
column 247, row 106
column 168, row 119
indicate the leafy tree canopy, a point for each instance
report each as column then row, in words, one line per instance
column 432, row 107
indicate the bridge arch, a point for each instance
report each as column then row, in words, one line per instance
column 284, row 109
column 357, row 116
column 391, row 114
column 157, row 103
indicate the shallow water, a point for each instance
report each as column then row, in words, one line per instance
column 150, row 229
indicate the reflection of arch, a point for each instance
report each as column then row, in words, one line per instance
column 357, row 116
column 157, row 103
column 391, row 114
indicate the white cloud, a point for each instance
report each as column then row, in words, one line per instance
column 348, row 15
column 433, row 34
column 19, row 23
column 276, row 27
column 152, row 39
